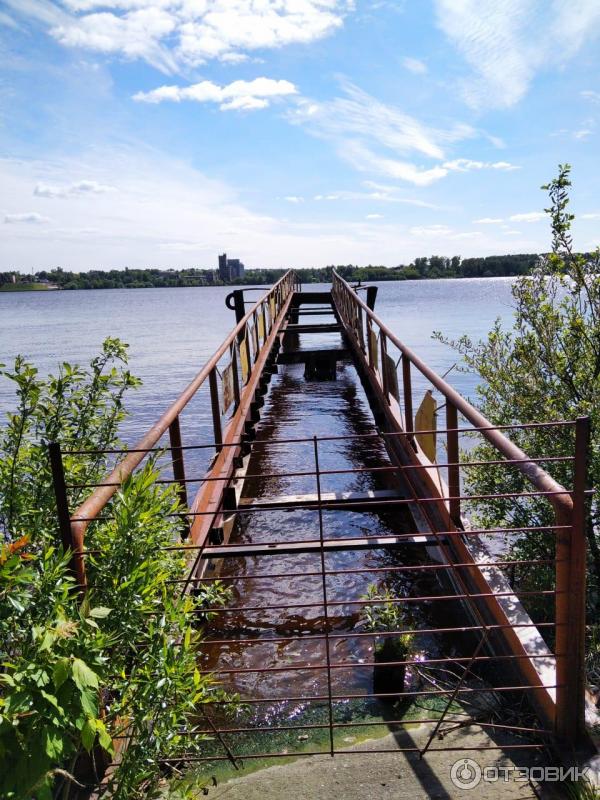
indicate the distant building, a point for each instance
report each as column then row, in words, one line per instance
column 223, row 268
column 236, row 268
column 230, row 268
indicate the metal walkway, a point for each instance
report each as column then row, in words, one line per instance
column 422, row 474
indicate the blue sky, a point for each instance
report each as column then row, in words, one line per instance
column 291, row 132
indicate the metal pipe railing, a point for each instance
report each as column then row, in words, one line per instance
column 89, row 510
column 569, row 507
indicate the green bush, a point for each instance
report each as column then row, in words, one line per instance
column 119, row 667
column 545, row 368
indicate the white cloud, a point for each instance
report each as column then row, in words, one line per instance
column 168, row 214
column 583, row 133
column 591, row 215
column 72, row 189
column 378, row 192
column 29, row 218
column 466, row 165
column 506, row 43
column 374, row 216
column 530, row 216
column 371, row 135
column 173, row 34
column 292, row 198
column 366, row 160
column 236, row 96
column 8, row 21
column 414, row 65
column 590, row 95
column 430, row 231
column 488, row 221
column 359, row 114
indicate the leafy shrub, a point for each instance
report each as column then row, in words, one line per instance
column 545, row 368
column 386, row 614
column 119, row 667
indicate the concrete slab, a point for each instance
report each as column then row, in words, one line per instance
column 357, row 774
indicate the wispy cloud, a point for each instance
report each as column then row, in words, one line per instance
column 371, row 135
column 236, row 96
column 172, row 34
column 80, row 188
column 414, row 65
column 506, row 43
column 529, row 216
column 589, row 94
column 467, row 165
column 28, row 218
column 8, row 21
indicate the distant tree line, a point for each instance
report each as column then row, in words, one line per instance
column 421, row 268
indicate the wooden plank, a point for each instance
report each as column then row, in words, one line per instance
column 329, row 546
column 318, row 298
column 325, row 328
column 302, row 356
column 371, row 497
column 315, row 312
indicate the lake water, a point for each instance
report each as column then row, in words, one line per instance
column 172, row 332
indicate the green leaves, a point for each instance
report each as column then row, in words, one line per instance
column 100, row 613
column 545, row 368
column 83, row 676
column 61, row 671
column 74, row 675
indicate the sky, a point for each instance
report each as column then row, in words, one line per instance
column 292, row 133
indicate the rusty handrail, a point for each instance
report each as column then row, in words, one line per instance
column 560, row 499
column 94, row 504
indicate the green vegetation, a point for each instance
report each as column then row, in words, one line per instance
column 78, row 678
column 546, row 368
column 386, row 614
column 26, row 286
column 426, row 267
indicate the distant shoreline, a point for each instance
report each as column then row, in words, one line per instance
column 4, row 289
column 424, row 268
column 11, row 288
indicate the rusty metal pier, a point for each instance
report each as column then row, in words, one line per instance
column 420, row 482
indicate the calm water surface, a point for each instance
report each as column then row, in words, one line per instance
column 172, row 332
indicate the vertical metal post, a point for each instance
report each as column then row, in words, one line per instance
column 263, row 316
column 407, row 391
column 571, row 600
column 177, row 461
column 216, row 409
column 77, row 564
column 453, row 461
column 236, row 377
column 239, row 305
column 325, row 608
column 384, row 381
column 371, row 296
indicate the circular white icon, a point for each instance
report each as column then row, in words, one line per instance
column 466, row 773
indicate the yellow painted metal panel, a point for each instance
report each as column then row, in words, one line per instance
column 425, row 420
